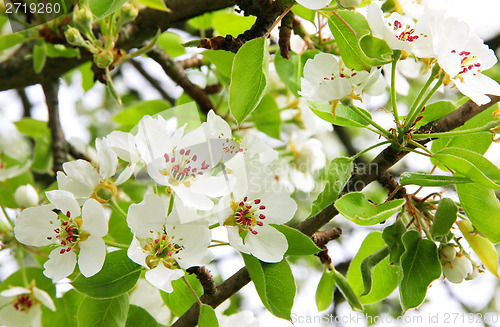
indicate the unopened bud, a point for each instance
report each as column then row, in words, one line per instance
column 447, row 253
column 127, row 13
column 83, row 18
column 473, row 274
column 349, row 3
column 457, row 269
column 74, row 37
column 104, row 58
column 26, row 196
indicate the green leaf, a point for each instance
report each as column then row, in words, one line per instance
column 445, row 216
column 117, row 276
column 39, row 56
column 267, row 116
column 32, row 127
column 181, row 299
column 103, row 8
column 32, row 274
column 355, row 39
column 484, row 249
column 10, row 40
column 223, row 62
column 431, row 180
column 103, row 312
column 207, row 317
column 66, row 310
column 344, row 116
column 230, row 23
column 367, row 266
column 339, row 172
column 87, row 76
column 248, row 78
column 482, row 208
column 15, row 176
column 347, row 290
column 59, row 50
column 291, row 70
column 130, row 117
column 385, row 277
column 118, row 228
column 356, row 207
column 298, row 242
column 324, row 292
column 171, row 43
column 470, row 164
column 479, row 142
column 274, row 283
column 392, row 236
column 421, row 266
column 155, row 4
column 139, row 317
column 305, row 13
column 434, row 111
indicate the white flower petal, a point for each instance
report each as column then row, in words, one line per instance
column 123, row 144
column 92, row 255
column 147, row 216
column 64, row 201
column 213, row 186
column 152, row 139
column 107, row 159
column 136, row 253
column 235, row 239
column 15, row 291
column 268, row 245
column 94, row 219
column 125, row 174
column 279, row 207
column 82, row 178
column 11, row 317
column 44, row 297
column 162, row 277
column 59, row 265
column 314, row 4
column 190, row 199
column 33, row 226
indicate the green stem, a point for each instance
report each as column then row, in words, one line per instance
column 214, row 226
column 170, row 204
column 116, row 245
column 415, row 104
column 20, row 259
column 482, row 129
column 368, row 149
column 192, row 290
column 221, row 244
column 117, row 208
column 11, row 222
column 373, row 123
column 396, row 56
column 426, row 99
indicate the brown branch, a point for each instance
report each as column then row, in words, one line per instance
column 153, row 81
column 17, row 72
column 193, row 62
column 27, row 105
column 386, row 159
column 205, row 278
column 285, row 34
column 59, row 152
column 179, row 76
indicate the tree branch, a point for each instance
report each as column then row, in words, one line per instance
column 386, row 159
column 179, row 76
column 27, row 105
column 17, row 72
column 153, row 81
column 58, row 144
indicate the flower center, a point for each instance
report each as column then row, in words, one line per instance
column 23, row 302
column 467, row 62
column 247, row 214
column 182, row 167
column 68, row 233
column 163, row 249
column 405, row 34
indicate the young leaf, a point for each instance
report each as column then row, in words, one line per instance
column 445, row 216
column 344, row 116
column 339, row 172
column 367, row 266
column 155, row 4
column 324, row 292
column 230, row 23
column 291, row 70
column 248, row 78
column 392, row 236
column 298, row 243
column 346, row 290
column 10, row 40
column 117, row 276
column 39, row 56
column 274, row 283
column 110, row 312
column 267, row 117
column 385, row 277
column 421, row 266
column 103, row 8
column 207, row 317
column 482, row 208
column 130, row 117
column 66, row 310
column 181, row 299
column 431, row 180
column 139, row 317
column 470, row 164
column 434, row 111
column 484, row 249
column 356, row 207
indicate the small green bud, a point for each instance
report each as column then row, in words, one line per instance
column 349, row 3
column 83, row 18
column 127, row 13
column 74, row 37
column 447, row 253
column 104, row 58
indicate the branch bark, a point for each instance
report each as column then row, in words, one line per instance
column 386, row 159
column 17, row 72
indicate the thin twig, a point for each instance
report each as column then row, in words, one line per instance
column 153, row 81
